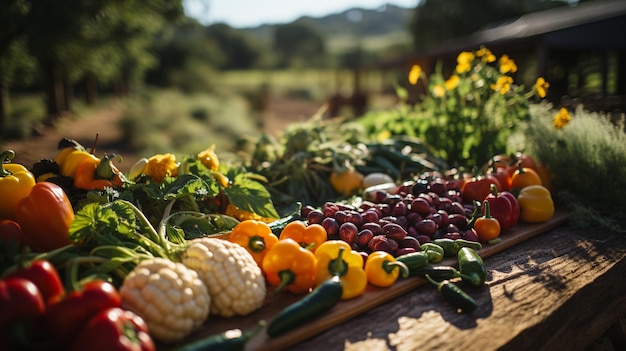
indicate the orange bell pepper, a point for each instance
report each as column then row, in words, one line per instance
column 336, row 258
column 287, row 265
column 45, row 217
column 95, row 173
column 255, row 236
column 309, row 236
column 523, row 177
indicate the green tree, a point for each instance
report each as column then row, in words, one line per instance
column 83, row 38
column 238, row 49
column 298, row 44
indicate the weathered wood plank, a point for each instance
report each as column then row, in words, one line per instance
column 560, row 290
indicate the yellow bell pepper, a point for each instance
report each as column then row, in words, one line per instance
column 16, row 182
column 255, row 236
column 336, row 258
column 383, row 270
column 536, row 205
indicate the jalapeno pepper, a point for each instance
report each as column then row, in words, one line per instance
column 230, row 340
column 471, row 266
column 434, row 252
column 455, row 295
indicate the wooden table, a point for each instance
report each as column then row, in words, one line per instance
column 559, row 290
column 553, row 289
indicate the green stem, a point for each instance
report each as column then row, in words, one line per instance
column 338, row 266
column 389, row 266
column 5, row 157
column 286, row 277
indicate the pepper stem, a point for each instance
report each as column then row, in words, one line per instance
column 5, row 157
column 338, row 266
column 389, row 266
column 256, row 244
column 286, row 277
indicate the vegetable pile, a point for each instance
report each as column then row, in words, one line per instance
column 151, row 255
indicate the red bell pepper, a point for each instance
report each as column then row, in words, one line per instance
column 22, row 310
column 11, row 231
column 114, row 329
column 45, row 217
column 503, row 207
column 476, row 189
column 66, row 317
column 45, row 276
column 20, row 300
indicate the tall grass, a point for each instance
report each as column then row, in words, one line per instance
column 168, row 121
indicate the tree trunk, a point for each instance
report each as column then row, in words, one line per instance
column 91, row 89
column 4, row 98
column 53, row 87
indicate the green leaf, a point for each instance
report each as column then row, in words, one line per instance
column 252, row 196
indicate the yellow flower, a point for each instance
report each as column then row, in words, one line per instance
column 464, row 61
column 414, row 74
column 384, row 135
column 452, row 82
column 507, row 65
column 562, row 118
column 161, row 166
column 485, row 54
column 209, row 159
column 541, row 86
column 503, row 84
column 439, row 90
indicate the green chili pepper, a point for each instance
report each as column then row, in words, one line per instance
column 455, row 295
column 449, row 247
column 437, row 272
column 230, row 340
column 471, row 266
column 467, row 243
column 434, row 252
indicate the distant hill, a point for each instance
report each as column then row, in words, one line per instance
column 373, row 28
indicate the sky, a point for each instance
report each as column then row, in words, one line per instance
column 251, row 13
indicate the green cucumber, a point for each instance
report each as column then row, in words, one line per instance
column 471, row 266
column 414, row 260
column 316, row 303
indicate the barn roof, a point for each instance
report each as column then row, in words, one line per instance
column 543, row 23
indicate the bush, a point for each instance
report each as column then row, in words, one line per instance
column 586, row 154
column 469, row 116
